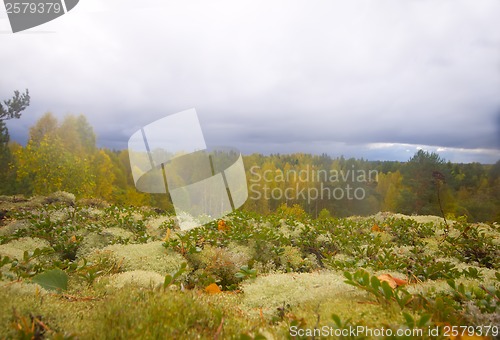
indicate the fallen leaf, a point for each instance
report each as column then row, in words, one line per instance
column 167, row 236
column 400, row 282
column 212, row 289
column 388, row 278
column 222, row 225
column 393, row 282
column 376, row 228
column 72, row 239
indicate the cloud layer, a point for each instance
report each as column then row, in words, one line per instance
column 359, row 78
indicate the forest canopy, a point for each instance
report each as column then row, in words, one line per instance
column 63, row 156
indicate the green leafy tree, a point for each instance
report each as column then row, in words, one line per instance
column 419, row 194
column 13, row 107
column 494, row 178
column 10, row 109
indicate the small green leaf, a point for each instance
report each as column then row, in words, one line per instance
column 168, row 280
column 375, row 282
column 366, row 279
column 388, row 293
column 337, row 320
column 410, row 322
column 423, row 320
column 54, row 279
column 403, row 301
column 451, row 283
column 4, row 261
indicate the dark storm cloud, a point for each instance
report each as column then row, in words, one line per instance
column 498, row 130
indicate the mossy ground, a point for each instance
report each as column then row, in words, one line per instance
column 274, row 271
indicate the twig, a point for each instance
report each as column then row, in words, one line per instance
column 77, row 298
column 439, row 178
column 489, row 293
column 219, row 329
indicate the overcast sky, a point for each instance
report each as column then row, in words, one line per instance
column 372, row 79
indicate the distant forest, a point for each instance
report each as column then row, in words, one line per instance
column 62, row 155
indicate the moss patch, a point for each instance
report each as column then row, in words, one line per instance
column 150, row 256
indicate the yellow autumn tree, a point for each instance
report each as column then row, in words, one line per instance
column 59, row 157
column 389, row 187
column 49, row 167
column 104, row 176
column 44, row 126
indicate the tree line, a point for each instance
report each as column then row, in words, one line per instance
column 62, row 155
column 425, row 185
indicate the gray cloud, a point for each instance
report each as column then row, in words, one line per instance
column 277, row 76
